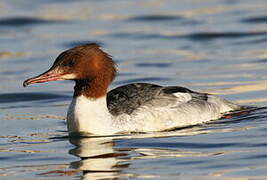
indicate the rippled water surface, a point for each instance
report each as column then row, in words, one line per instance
column 216, row 46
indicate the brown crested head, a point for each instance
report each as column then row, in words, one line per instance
column 91, row 68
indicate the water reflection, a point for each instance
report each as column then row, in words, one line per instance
column 99, row 159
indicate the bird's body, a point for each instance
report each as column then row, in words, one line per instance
column 144, row 108
column 139, row 107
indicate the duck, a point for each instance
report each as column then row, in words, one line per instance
column 131, row 108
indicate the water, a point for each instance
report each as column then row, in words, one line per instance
column 216, row 46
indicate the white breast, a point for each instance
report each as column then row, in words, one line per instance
column 89, row 115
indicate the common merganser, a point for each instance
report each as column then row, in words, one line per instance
column 138, row 107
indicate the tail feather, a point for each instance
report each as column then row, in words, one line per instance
column 224, row 105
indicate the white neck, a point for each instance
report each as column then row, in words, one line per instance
column 89, row 115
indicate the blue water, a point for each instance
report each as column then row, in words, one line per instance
column 215, row 46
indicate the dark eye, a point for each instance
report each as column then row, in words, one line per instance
column 69, row 63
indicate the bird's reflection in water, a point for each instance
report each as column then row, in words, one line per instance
column 99, row 159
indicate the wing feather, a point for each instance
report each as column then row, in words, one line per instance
column 127, row 98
